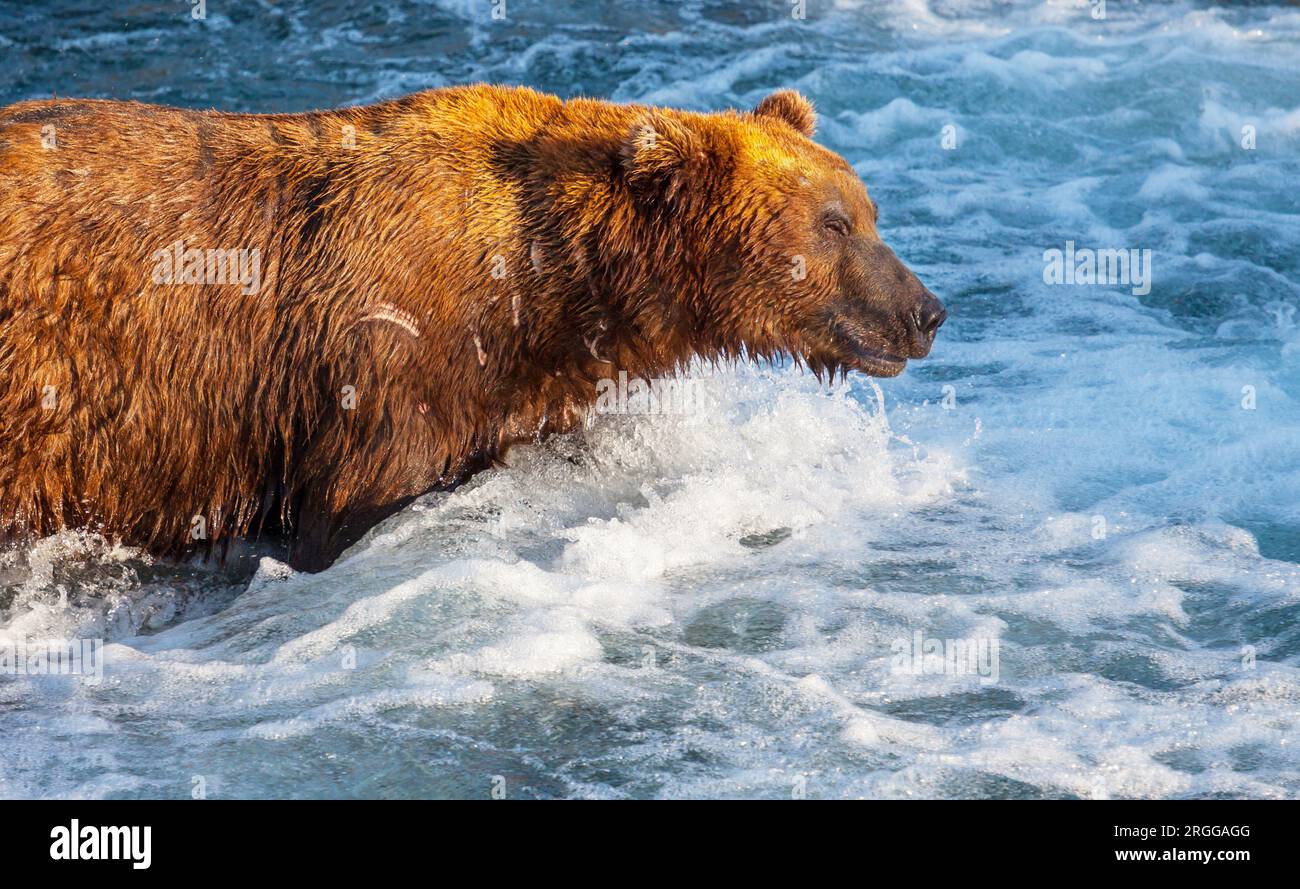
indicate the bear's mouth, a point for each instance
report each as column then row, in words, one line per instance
column 866, row 358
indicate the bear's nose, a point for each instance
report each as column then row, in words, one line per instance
column 924, row 323
column 931, row 316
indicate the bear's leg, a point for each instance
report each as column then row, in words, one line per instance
column 362, row 467
column 321, row 536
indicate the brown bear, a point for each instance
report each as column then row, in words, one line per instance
column 214, row 324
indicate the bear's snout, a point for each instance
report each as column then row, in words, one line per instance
column 923, row 322
column 888, row 317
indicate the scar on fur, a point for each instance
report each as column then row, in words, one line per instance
column 391, row 313
column 591, row 343
column 535, row 254
column 514, row 307
column 482, row 356
column 591, row 347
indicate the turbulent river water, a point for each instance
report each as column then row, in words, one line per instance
column 1094, row 489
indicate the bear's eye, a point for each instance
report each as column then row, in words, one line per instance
column 837, row 224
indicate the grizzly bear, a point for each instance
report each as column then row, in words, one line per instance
column 222, row 324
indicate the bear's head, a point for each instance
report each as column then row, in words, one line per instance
column 781, row 237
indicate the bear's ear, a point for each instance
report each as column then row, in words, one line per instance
column 659, row 151
column 791, row 107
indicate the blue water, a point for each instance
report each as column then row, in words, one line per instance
column 1101, row 485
